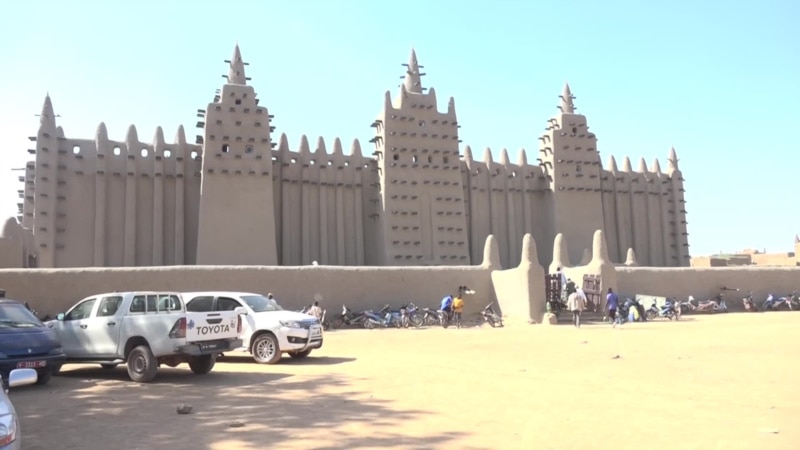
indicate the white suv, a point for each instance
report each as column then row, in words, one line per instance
column 269, row 330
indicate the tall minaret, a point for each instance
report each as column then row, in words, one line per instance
column 577, row 198
column 680, row 256
column 45, row 184
column 237, row 217
column 422, row 219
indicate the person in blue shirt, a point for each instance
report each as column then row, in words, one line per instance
column 612, row 304
column 447, row 304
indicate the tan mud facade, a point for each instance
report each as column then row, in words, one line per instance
column 237, row 197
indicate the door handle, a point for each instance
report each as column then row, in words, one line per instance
column 83, row 326
column 111, row 324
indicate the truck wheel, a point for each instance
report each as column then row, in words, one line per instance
column 202, row 364
column 300, row 355
column 265, row 349
column 142, row 365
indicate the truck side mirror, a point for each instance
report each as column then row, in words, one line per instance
column 240, row 311
column 60, row 316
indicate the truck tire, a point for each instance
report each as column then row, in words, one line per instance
column 265, row 349
column 300, row 355
column 202, row 364
column 142, row 365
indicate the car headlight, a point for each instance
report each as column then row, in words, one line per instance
column 290, row 323
column 8, row 429
column 56, row 351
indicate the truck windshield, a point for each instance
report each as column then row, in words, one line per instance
column 259, row 303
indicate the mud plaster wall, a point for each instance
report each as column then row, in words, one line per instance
column 703, row 283
column 51, row 291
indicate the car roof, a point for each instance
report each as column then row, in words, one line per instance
column 217, row 294
column 105, row 294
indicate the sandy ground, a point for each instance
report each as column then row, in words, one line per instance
column 720, row 382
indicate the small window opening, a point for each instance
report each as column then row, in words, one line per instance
column 193, row 155
column 117, row 151
column 445, row 160
column 167, row 153
column 421, row 123
column 430, row 159
column 574, row 130
column 347, row 163
column 414, row 159
column 330, row 163
column 294, row 161
column 76, row 150
column 514, row 174
column 238, row 101
column 578, row 168
column 226, row 148
column 312, row 162
column 144, row 153
column 396, row 157
column 248, row 149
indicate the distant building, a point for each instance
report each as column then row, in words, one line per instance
column 235, row 196
column 751, row 257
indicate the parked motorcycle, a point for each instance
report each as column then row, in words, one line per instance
column 491, row 317
column 773, row 303
column 749, row 304
column 415, row 317
column 348, row 318
column 667, row 310
column 794, row 300
column 430, row 316
column 712, row 305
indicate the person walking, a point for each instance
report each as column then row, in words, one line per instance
column 576, row 303
column 612, row 304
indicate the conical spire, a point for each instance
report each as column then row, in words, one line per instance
column 626, row 165
column 797, row 238
column 612, row 164
column 48, row 118
column 491, row 253
column 567, row 106
column 642, row 166
column 413, row 78
column 599, row 248
column 467, row 153
column 672, row 160
column 656, row 166
column 236, row 72
column 630, row 259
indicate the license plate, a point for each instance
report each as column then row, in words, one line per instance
column 316, row 331
column 31, row 364
column 212, row 346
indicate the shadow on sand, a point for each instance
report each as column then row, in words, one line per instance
column 94, row 408
column 310, row 361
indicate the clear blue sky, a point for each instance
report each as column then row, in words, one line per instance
column 719, row 80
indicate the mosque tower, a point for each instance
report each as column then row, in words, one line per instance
column 237, row 217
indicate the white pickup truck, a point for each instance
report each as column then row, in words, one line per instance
column 269, row 330
column 145, row 330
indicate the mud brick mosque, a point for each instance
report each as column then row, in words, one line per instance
column 412, row 196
